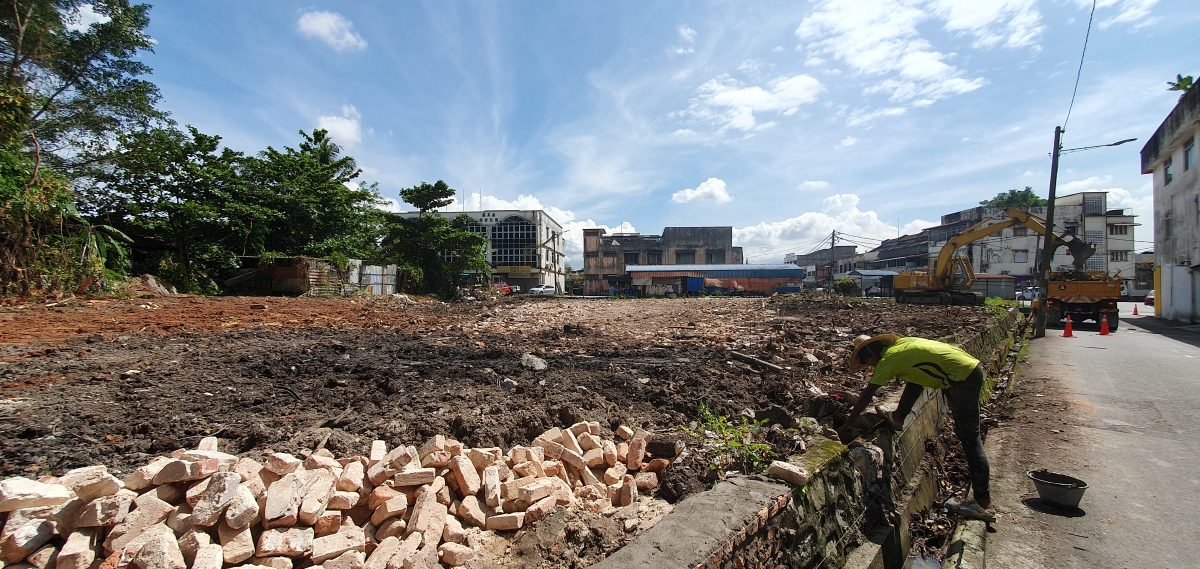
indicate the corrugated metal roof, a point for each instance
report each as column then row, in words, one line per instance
column 873, row 273
column 710, row 268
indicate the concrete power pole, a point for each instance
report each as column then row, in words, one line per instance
column 832, row 256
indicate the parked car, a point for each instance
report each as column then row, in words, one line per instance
column 515, row 288
column 1029, row 293
column 502, row 288
column 1149, row 299
column 543, row 289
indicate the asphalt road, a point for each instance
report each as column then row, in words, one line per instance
column 1120, row 412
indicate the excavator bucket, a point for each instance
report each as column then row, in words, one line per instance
column 1080, row 250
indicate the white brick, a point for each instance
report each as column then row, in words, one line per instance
column 472, row 512
column 282, row 463
column 209, row 556
column 343, row 500
column 624, row 432
column 28, row 536
column 18, row 493
column 208, row 443
column 282, row 505
column 466, row 475
column 79, row 551
column 237, row 545
column 416, row 477
column 316, row 492
column 378, row 451
column 394, row 507
column 637, row 451
column 160, row 552
column 331, row 546
column 178, row 470
column 222, row 489
column 289, row 542
column 106, row 511
column 506, row 522
column 788, row 472
column 148, row 511
column 353, row 477
column 348, row 560
column 91, row 482
column 455, row 554
column 243, row 510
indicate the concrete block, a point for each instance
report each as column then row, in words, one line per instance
column 91, row 482
column 506, row 522
column 286, row 542
column 455, row 554
column 788, row 472
column 282, row 463
column 243, row 509
column 221, row 490
column 18, row 492
column 105, row 511
column 209, row 556
column 331, row 546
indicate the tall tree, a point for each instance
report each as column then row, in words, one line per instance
column 1016, row 198
column 1182, row 83
column 443, row 251
column 324, row 209
column 183, row 198
column 428, row 197
column 70, row 86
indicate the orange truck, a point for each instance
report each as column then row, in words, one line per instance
column 1084, row 296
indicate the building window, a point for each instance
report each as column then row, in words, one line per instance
column 514, row 257
column 1020, row 231
column 1020, row 255
column 1093, row 204
column 1095, row 263
column 1118, row 230
column 714, row 257
column 631, row 258
column 1189, row 155
column 1094, row 237
column 653, row 257
column 1118, row 256
column 685, row 257
column 1168, row 172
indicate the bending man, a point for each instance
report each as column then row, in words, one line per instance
column 925, row 363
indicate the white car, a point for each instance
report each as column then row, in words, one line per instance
column 545, row 289
column 1029, row 293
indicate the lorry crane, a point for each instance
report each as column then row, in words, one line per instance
column 952, row 277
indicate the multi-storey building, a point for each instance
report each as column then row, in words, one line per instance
column 1170, row 156
column 605, row 257
column 525, row 247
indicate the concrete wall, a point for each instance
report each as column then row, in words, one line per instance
column 606, row 256
column 1177, row 209
column 840, row 518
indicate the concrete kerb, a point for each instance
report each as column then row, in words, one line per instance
column 749, row 521
column 967, row 546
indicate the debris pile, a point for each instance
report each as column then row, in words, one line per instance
column 396, row 508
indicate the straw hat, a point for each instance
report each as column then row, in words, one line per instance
column 862, row 341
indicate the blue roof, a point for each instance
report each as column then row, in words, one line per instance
column 873, row 273
column 709, row 268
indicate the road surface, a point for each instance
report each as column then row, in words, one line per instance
column 1120, row 412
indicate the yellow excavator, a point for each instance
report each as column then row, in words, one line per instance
column 952, row 277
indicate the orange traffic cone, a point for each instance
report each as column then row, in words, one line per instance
column 1067, row 328
column 1135, row 310
column 1103, row 325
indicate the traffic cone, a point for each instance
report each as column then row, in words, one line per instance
column 1103, row 325
column 1067, row 328
column 1135, row 310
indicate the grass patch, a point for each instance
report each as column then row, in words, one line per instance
column 730, row 445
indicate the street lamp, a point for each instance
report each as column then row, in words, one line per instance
column 1039, row 330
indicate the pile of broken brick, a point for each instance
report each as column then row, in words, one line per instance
column 398, row 508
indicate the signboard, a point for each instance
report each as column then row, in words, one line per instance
column 513, row 269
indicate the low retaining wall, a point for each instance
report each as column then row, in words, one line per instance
column 840, row 518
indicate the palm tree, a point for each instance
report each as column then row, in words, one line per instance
column 1181, row 83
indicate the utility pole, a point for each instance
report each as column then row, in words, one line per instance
column 832, row 257
column 1039, row 329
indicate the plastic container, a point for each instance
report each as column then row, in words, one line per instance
column 1058, row 489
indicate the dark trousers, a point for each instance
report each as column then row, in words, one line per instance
column 963, row 399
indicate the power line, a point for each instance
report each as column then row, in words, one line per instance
column 860, row 236
column 1079, row 73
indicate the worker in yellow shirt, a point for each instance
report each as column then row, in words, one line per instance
column 923, row 363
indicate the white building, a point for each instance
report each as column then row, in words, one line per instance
column 1016, row 251
column 525, row 247
column 1170, row 156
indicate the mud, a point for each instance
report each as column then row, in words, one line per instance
column 115, row 381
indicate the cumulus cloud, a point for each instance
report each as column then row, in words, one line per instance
column 687, row 35
column 768, row 241
column 848, row 141
column 334, row 29
column 882, row 39
column 862, row 117
column 345, row 129
column 731, row 104
column 571, row 223
column 996, row 23
column 83, row 17
column 711, row 190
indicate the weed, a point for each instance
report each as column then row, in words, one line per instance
column 728, row 444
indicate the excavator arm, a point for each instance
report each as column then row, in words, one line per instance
column 943, row 272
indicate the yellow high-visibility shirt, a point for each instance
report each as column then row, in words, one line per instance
column 925, row 362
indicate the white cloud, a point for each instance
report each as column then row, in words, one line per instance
column 732, row 105
column 345, row 129
column 1136, row 13
column 392, row 205
column 688, row 36
column 814, row 186
column 769, row 241
column 332, row 28
column 712, row 189
column 83, row 18
column 848, row 141
column 861, row 117
column 1007, row 23
column 881, row 39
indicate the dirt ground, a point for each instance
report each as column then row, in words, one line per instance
column 116, row 381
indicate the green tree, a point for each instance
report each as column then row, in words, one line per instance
column 1181, row 83
column 323, row 207
column 428, row 197
column 183, row 198
column 1015, row 198
column 442, row 252
column 71, row 89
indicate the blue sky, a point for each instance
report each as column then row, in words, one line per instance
column 783, row 119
